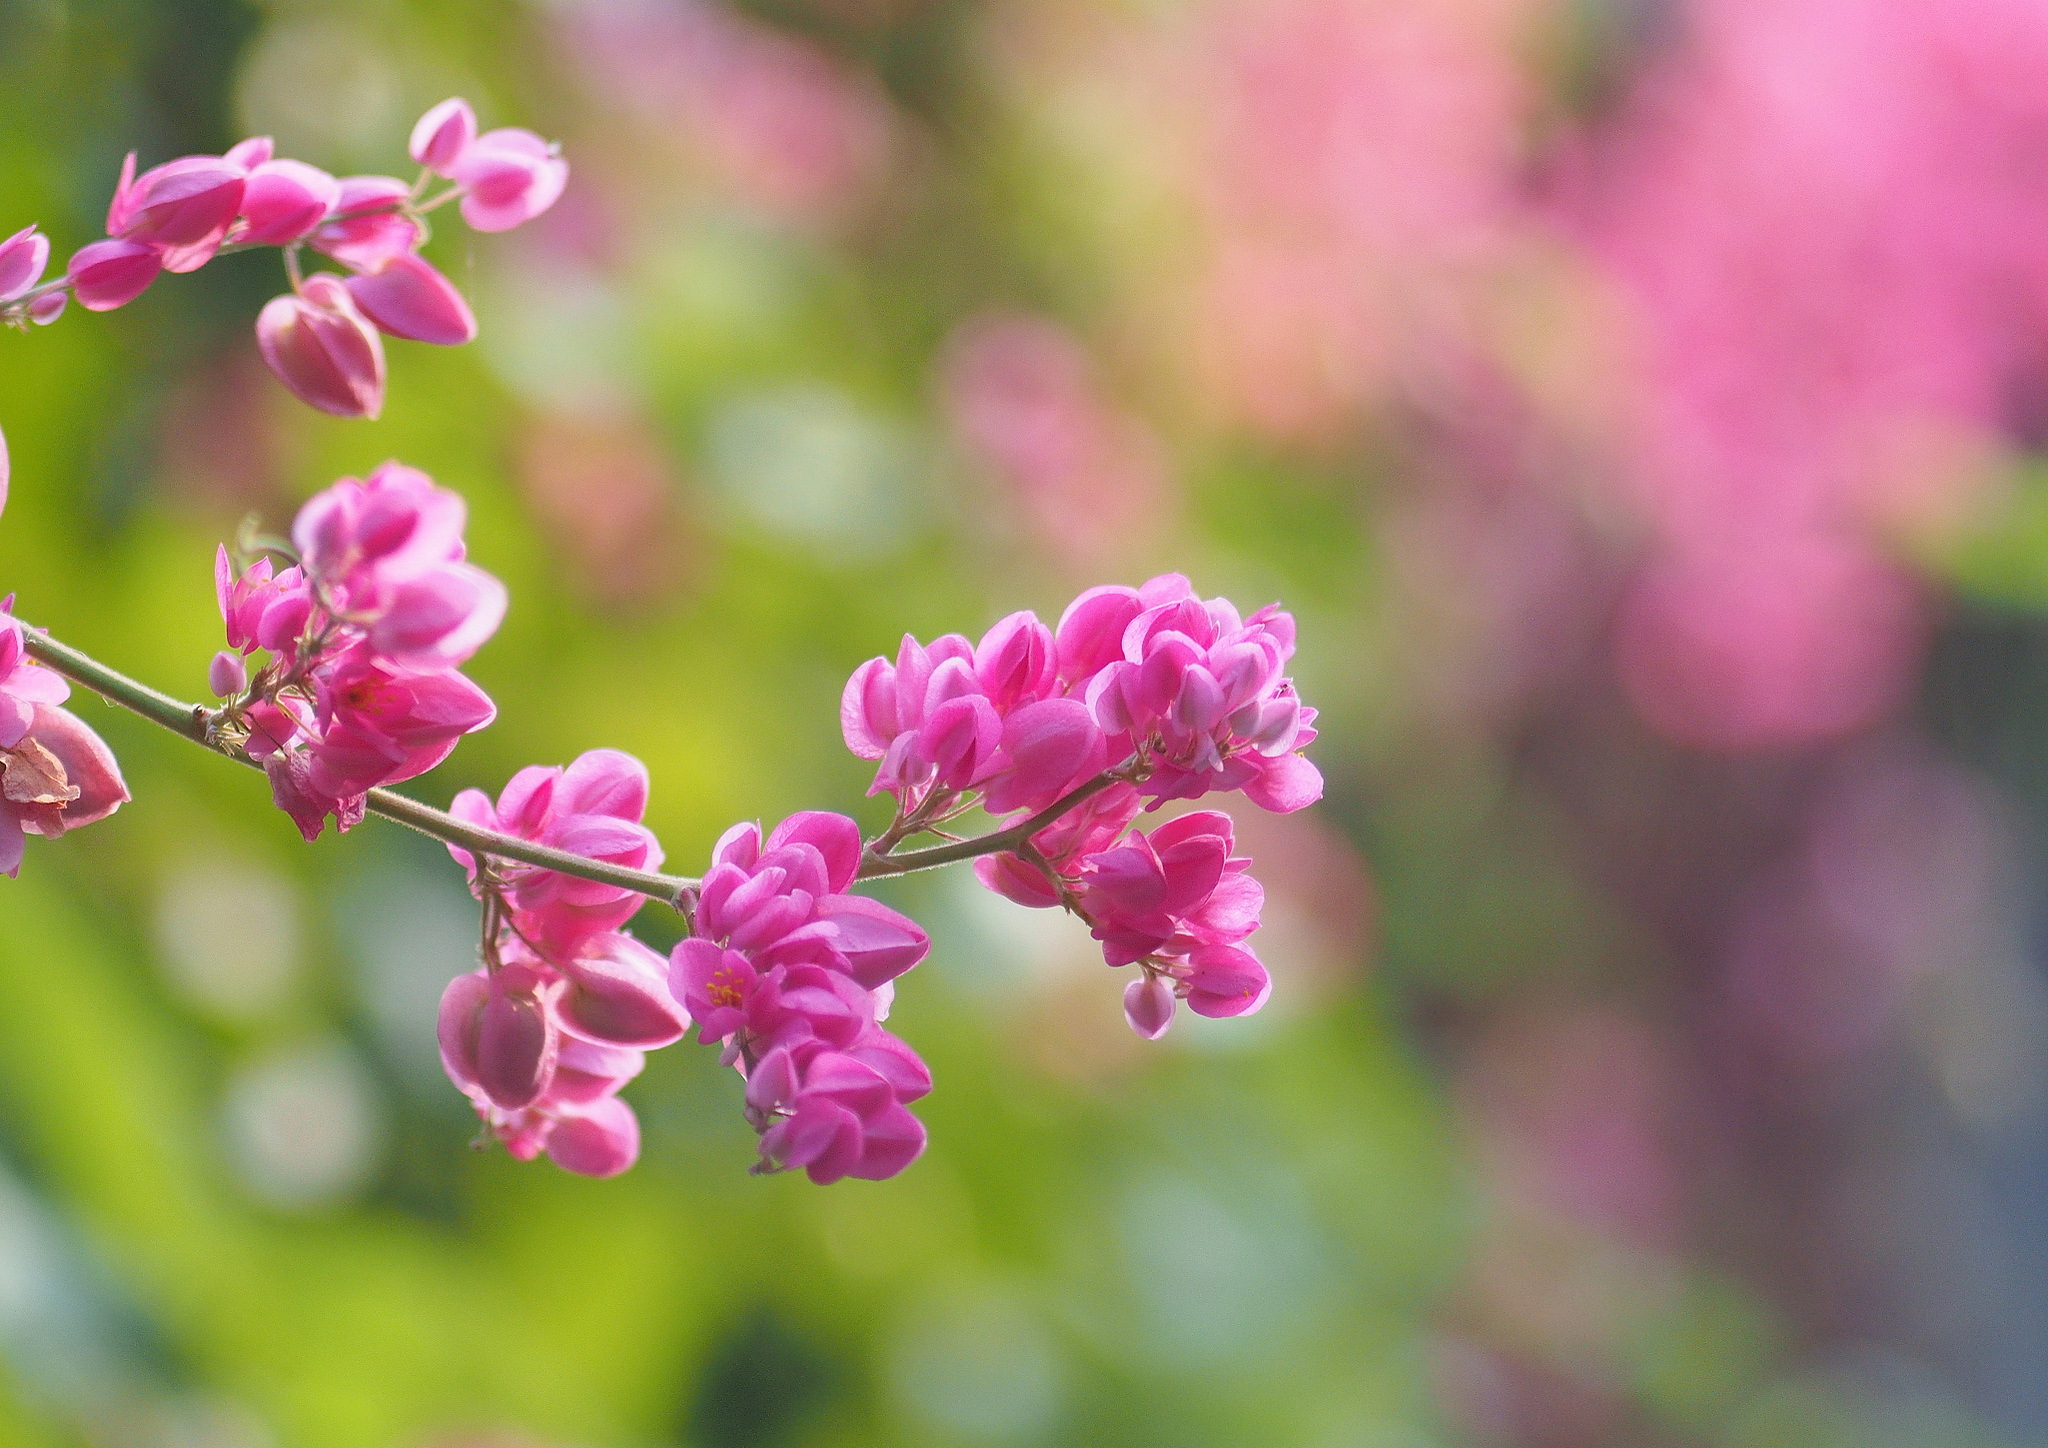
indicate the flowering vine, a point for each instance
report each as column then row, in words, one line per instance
column 342, row 676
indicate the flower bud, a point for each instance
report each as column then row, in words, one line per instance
column 47, row 308
column 369, row 225
column 181, row 203
column 227, row 676
column 251, row 153
column 22, row 259
column 1148, row 1005
column 600, row 1142
column 406, row 297
column 322, row 350
column 509, row 177
column 443, row 134
column 284, row 201
column 110, row 274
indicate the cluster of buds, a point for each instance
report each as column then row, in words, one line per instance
column 321, row 338
column 1140, row 694
column 55, row 773
column 566, row 1005
column 365, row 635
column 793, row 976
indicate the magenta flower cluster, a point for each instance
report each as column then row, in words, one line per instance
column 566, row 1006
column 343, row 675
column 322, row 338
column 794, row 976
column 365, row 637
column 1140, row 694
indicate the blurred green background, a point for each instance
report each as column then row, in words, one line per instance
column 1623, row 394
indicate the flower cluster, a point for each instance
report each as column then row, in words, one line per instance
column 366, row 634
column 1140, row 694
column 343, row 673
column 793, row 976
column 321, row 338
column 55, row 773
column 566, row 1005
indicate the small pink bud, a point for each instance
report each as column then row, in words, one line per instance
column 443, row 134
column 22, row 259
column 110, row 274
column 227, row 676
column 407, row 298
column 509, row 177
column 251, row 153
column 599, row 1142
column 322, row 350
column 283, row 201
column 369, row 223
column 1148, row 1005
column 47, row 308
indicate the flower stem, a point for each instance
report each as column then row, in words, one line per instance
column 875, row 864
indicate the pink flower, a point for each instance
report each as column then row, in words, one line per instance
column 321, row 348
column 508, row 178
column 442, row 135
column 366, row 226
column 388, row 549
column 1148, row 1005
column 261, row 611
column 832, row 1115
column 618, row 994
column 22, row 259
column 592, row 808
column 55, row 773
column 227, row 676
column 183, row 206
column 110, row 274
column 499, row 1035
column 405, row 297
column 283, row 201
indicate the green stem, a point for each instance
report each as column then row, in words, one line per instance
column 193, row 722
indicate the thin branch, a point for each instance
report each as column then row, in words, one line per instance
column 875, row 865
column 193, row 722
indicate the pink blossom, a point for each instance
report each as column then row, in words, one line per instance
column 405, row 297
column 183, row 205
column 388, row 549
column 367, row 225
column 283, row 201
column 618, row 994
column 22, row 259
column 261, row 611
column 322, row 349
column 110, row 274
column 48, row 307
column 592, row 808
column 442, row 135
column 55, row 773
column 1148, row 1005
column 832, row 1115
column 508, row 177
column 499, row 1035
column 227, row 676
